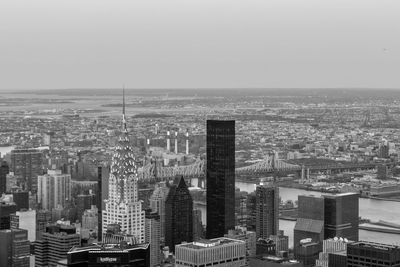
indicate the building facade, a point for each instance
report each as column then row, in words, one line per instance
column 365, row 253
column 178, row 215
column 214, row 252
column 157, row 204
column 123, row 206
column 267, row 210
column 110, row 255
column 220, row 177
column 54, row 244
column 15, row 248
column 341, row 216
column 4, row 170
column 152, row 236
column 26, row 164
column 54, row 189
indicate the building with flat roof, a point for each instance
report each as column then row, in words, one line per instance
column 364, row 253
column 241, row 233
column 220, row 177
column 25, row 220
column 54, row 244
column 267, row 212
column 341, row 216
column 54, row 189
column 273, row 261
column 6, row 209
column 211, row 252
column 332, row 246
column 15, row 248
column 109, row 255
column 26, row 164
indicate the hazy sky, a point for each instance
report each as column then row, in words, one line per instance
column 199, row 43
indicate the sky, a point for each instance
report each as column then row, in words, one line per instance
column 50, row 44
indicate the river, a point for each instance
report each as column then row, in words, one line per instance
column 372, row 209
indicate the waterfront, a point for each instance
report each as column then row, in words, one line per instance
column 372, row 209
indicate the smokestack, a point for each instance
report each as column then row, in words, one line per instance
column 187, row 142
column 99, row 202
column 176, row 142
column 168, row 142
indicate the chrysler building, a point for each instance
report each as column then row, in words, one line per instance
column 123, row 206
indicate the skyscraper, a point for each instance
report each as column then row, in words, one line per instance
column 341, row 216
column 123, row 206
column 157, row 204
column 267, row 212
column 6, row 209
column 309, row 229
column 54, row 189
column 4, row 170
column 220, row 177
column 26, row 164
column 54, row 244
column 178, row 215
column 14, row 249
column 152, row 236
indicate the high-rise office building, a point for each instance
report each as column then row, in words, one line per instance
column 157, row 204
column 198, row 230
column 267, row 212
column 309, row 229
column 43, row 219
column 54, row 189
column 84, row 202
column 215, row 252
column 281, row 242
column 15, row 248
column 220, row 177
column 4, row 170
column 341, row 216
column 178, row 215
column 6, row 209
column 123, row 206
column 25, row 220
column 26, row 164
column 249, row 237
column 152, row 236
column 90, row 218
column 21, row 199
column 337, row 246
column 54, row 244
column 365, row 253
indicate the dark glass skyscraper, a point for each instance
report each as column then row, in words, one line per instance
column 220, row 177
column 341, row 216
column 178, row 215
column 4, row 170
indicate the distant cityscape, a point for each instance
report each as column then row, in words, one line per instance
column 199, row 177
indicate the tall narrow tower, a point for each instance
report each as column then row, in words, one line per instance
column 187, row 142
column 220, row 177
column 123, row 206
column 176, row 142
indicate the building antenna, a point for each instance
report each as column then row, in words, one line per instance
column 123, row 110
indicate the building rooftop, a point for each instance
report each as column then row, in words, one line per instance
column 276, row 259
column 108, row 248
column 207, row 243
column 375, row 245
